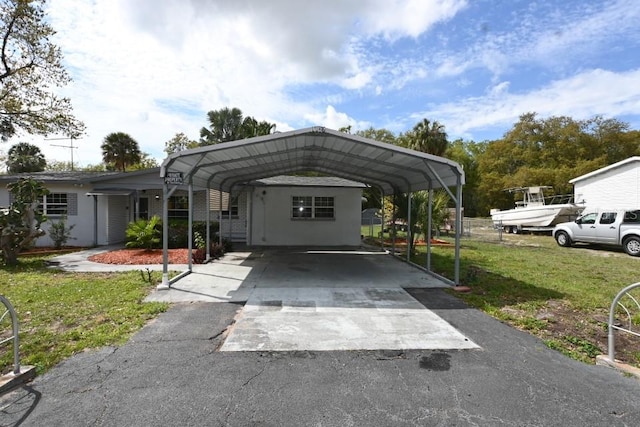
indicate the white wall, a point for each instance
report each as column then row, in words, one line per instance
column 271, row 223
column 82, row 219
column 615, row 188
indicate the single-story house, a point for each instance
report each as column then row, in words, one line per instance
column 253, row 187
column 616, row 186
column 282, row 210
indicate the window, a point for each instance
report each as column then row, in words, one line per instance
column 608, row 218
column 588, row 219
column 234, row 210
column 178, row 207
column 302, row 207
column 312, row 207
column 54, row 204
column 632, row 216
column 323, row 207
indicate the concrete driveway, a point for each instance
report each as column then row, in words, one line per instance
column 302, row 299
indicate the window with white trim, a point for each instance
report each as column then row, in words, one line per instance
column 54, row 204
column 308, row 207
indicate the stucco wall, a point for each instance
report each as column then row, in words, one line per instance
column 615, row 188
column 271, row 223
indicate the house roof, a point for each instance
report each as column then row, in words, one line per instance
column 378, row 164
column 606, row 169
column 307, row 181
column 62, row 177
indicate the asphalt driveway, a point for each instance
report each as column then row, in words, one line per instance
column 171, row 374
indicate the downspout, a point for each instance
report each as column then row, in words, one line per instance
column 95, row 220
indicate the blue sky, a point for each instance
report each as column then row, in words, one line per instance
column 154, row 68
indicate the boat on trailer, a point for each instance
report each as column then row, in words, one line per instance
column 535, row 212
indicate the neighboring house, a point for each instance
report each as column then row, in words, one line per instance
column 273, row 211
column 614, row 186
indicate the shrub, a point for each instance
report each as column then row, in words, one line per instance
column 60, row 233
column 20, row 223
column 143, row 233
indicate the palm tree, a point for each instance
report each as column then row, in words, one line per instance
column 24, row 157
column 120, row 150
column 225, row 125
column 429, row 137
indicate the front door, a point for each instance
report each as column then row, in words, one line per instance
column 143, row 206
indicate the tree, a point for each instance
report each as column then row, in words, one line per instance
column 179, row 142
column 120, row 150
column 224, row 125
column 24, row 157
column 146, row 162
column 428, row 137
column 20, row 223
column 230, row 125
column 30, row 67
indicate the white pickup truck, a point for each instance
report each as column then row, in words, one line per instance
column 612, row 227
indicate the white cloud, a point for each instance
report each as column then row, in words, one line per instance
column 333, row 119
column 594, row 92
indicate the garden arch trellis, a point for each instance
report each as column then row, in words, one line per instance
column 389, row 168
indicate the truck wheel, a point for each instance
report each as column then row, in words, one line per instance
column 632, row 245
column 563, row 239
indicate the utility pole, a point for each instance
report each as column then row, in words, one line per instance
column 70, row 146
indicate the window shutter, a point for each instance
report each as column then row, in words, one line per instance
column 72, row 204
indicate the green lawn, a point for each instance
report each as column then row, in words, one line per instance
column 562, row 295
column 64, row 313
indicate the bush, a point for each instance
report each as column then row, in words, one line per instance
column 143, row 233
column 60, row 233
column 179, row 232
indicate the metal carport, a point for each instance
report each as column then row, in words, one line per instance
column 390, row 168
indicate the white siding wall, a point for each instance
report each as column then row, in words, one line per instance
column 616, row 188
column 272, row 225
column 82, row 220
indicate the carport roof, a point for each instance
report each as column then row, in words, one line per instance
column 378, row 164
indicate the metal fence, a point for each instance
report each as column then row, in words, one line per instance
column 627, row 306
column 10, row 313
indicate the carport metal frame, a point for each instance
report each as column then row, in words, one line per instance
column 389, row 168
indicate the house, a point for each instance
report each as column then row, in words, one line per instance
column 614, row 186
column 283, row 210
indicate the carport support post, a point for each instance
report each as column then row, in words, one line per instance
column 458, row 230
column 190, row 222
column 165, row 237
column 382, row 220
column 208, row 239
column 409, row 238
column 429, row 223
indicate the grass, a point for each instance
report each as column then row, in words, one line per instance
column 62, row 313
column 562, row 295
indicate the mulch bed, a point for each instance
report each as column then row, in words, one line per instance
column 140, row 256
